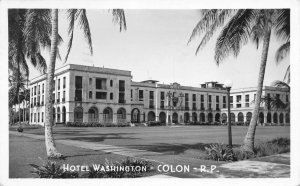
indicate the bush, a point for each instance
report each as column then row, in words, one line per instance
column 52, row 170
column 154, row 123
column 120, row 174
column 95, row 124
column 219, row 152
column 20, row 129
column 275, row 146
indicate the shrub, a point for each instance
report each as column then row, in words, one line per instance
column 154, row 123
column 20, row 129
column 275, row 146
column 219, row 152
column 120, row 174
column 52, row 170
column 95, row 124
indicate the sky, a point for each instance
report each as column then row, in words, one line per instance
column 155, row 46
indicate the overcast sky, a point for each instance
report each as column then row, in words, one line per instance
column 155, row 47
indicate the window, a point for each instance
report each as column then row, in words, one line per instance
column 287, row 98
column 162, row 104
column 141, row 95
column 34, row 101
column 202, row 106
column 254, row 96
column 38, row 117
column 131, row 93
column 53, row 97
column 34, row 90
column 43, row 88
column 247, row 98
column 277, row 96
column 111, row 96
column 78, row 82
column 194, row 97
column 90, row 95
column 202, row 98
column 121, row 97
column 101, row 83
column 209, row 98
column 224, row 101
column 231, row 105
column 247, row 105
column 58, row 84
column 162, row 95
column 42, row 116
column 31, row 118
column 231, row 99
column 43, row 99
column 151, row 103
column 217, row 107
column 78, row 95
column 121, row 85
column 186, row 95
column 90, row 82
column 64, row 82
column 54, row 84
column 101, row 95
column 151, row 95
column 194, row 106
column 64, row 96
column 39, row 90
column 34, row 117
column 111, row 83
column 58, row 97
column 217, row 99
column 238, row 105
column 238, row 98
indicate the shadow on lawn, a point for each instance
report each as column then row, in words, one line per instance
column 174, row 149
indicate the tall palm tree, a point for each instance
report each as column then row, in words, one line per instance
column 238, row 27
column 73, row 15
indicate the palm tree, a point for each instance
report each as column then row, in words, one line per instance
column 238, row 27
column 73, row 15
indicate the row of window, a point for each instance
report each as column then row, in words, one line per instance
column 100, row 83
column 37, row 88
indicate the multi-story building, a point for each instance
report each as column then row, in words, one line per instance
column 242, row 104
column 95, row 94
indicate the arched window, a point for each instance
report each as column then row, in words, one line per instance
column 240, row 117
column 93, row 114
column 78, row 114
column 107, row 115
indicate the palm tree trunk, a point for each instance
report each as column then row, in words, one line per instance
column 49, row 140
column 249, row 138
column 19, row 109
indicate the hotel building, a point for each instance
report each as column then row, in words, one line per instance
column 95, row 94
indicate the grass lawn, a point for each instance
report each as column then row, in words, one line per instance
column 177, row 140
column 24, row 151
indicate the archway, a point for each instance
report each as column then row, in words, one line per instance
column 281, row 118
column 232, row 117
column 121, row 115
column 217, row 117
column 194, row 117
column 78, row 114
column 175, row 118
column 287, row 118
column 151, row 116
column 58, row 115
column 64, row 114
column 261, row 118
column 162, row 117
column 107, row 115
column 93, row 114
column 210, row 117
column 135, row 115
column 240, row 117
column 54, row 118
column 275, row 118
column 224, row 118
column 248, row 116
column 202, row 117
column 269, row 117
column 186, row 117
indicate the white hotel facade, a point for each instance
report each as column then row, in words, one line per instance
column 95, row 94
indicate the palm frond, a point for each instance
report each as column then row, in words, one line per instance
column 282, row 52
column 287, row 75
column 282, row 24
column 235, row 34
column 119, row 18
column 84, row 24
column 71, row 17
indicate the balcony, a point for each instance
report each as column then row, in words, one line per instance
column 63, row 100
column 186, row 108
column 151, row 106
column 218, row 109
column 162, row 107
column 194, row 108
column 122, row 101
column 202, row 108
column 121, row 89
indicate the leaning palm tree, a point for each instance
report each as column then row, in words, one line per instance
column 73, row 16
column 238, row 27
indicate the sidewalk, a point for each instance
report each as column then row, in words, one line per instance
column 265, row 167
